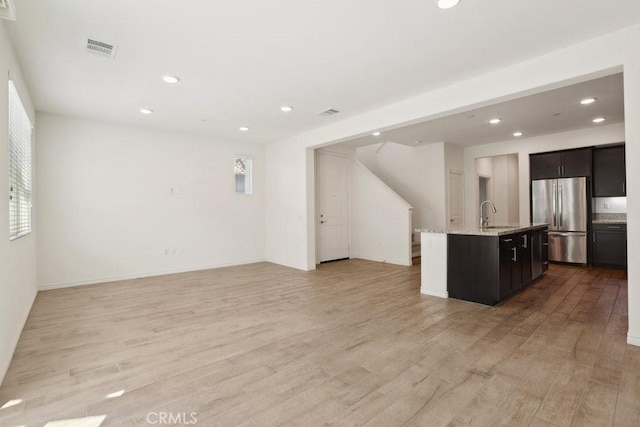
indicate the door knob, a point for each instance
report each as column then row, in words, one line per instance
column 322, row 222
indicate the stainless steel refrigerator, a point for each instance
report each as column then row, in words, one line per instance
column 562, row 203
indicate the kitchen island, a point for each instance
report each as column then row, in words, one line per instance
column 484, row 265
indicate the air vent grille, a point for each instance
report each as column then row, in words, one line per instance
column 99, row 48
column 329, row 112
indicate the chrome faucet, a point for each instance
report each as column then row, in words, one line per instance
column 483, row 222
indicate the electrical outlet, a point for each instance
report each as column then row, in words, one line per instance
column 166, row 251
column 605, row 205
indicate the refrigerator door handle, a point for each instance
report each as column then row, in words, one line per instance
column 555, row 201
column 570, row 234
column 560, row 205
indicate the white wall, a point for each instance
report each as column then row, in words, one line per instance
column 17, row 258
column 615, row 205
column 513, row 193
column 584, row 61
column 107, row 211
column 417, row 174
column 484, row 167
column 503, row 173
column 380, row 220
column 453, row 162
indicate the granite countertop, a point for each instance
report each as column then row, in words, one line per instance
column 489, row 231
column 609, row 221
column 609, row 218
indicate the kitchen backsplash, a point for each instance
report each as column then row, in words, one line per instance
column 610, row 205
column 610, row 216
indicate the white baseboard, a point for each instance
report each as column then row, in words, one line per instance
column 14, row 343
column 290, row 265
column 99, row 280
column 633, row 340
column 385, row 261
column 434, row 293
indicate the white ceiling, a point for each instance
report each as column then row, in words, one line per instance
column 553, row 111
column 240, row 60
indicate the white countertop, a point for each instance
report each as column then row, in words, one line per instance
column 500, row 230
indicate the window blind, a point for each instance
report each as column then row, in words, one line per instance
column 19, row 166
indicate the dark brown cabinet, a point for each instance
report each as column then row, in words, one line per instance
column 609, row 173
column 510, row 268
column 560, row 164
column 515, row 263
column 525, row 253
column 610, row 245
column 539, row 252
column 488, row 269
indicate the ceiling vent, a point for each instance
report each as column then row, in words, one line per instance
column 329, row 112
column 7, row 11
column 99, row 48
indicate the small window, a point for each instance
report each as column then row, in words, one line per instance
column 242, row 168
column 19, row 166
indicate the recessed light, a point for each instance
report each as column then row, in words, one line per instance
column 588, row 101
column 495, row 121
column 599, row 120
column 146, row 111
column 243, row 128
column 286, row 108
column 518, row 133
column 447, row 4
column 376, row 134
column 171, row 79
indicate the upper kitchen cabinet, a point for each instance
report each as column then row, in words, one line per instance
column 609, row 174
column 561, row 164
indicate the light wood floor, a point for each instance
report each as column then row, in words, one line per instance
column 352, row 343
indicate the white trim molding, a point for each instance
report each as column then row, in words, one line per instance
column 96, row 281
column 633, row 340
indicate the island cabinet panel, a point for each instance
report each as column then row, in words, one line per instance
column 539, row 245
column 472, row 268
column 507, row 270
column 488, row 269
column 525, row 259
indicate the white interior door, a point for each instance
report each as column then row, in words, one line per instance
column 332, row 177
column 456, row 194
